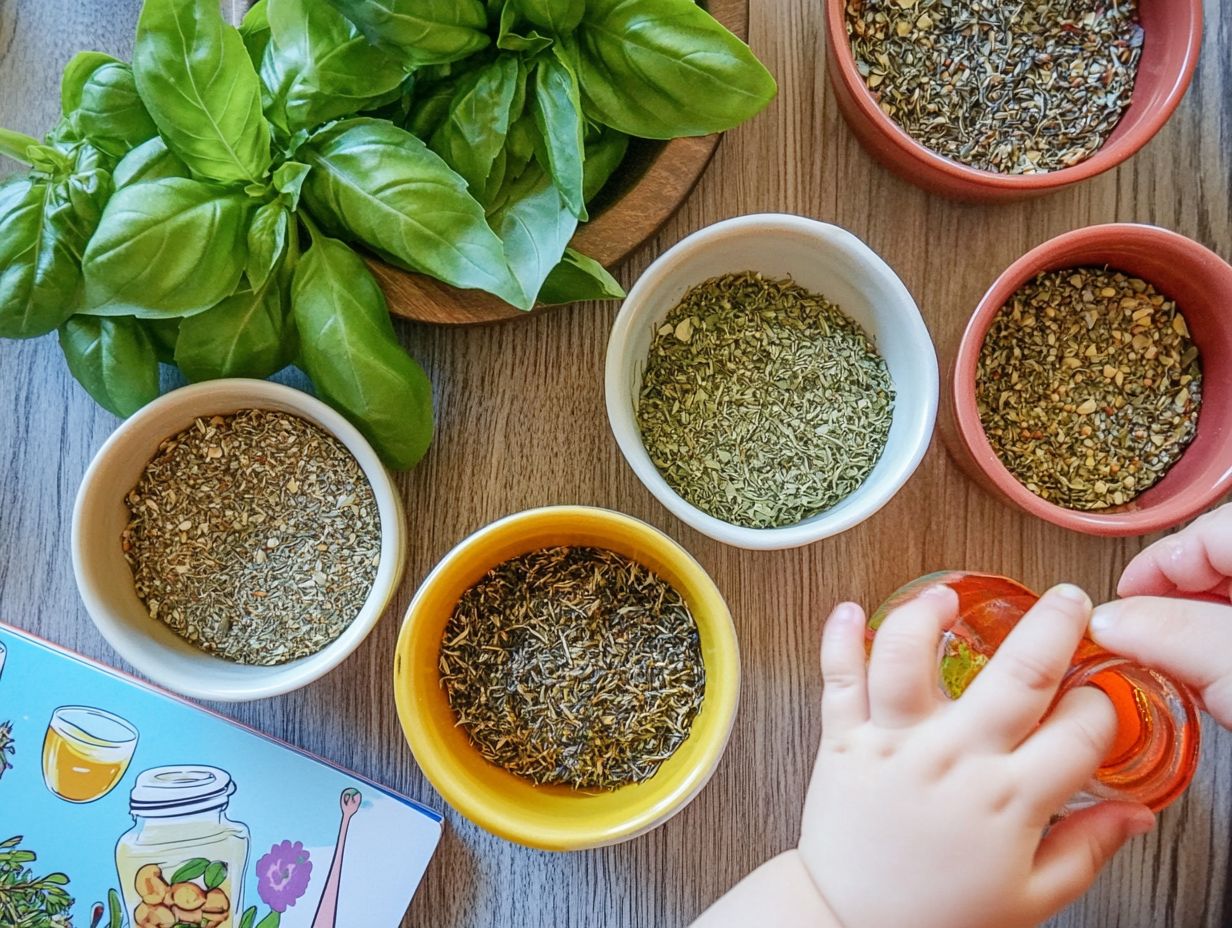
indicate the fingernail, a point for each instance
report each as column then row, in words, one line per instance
column 1073, row 594
column 936, row 591
column 1101, row 619
column 846, row 614
column 1140, row 825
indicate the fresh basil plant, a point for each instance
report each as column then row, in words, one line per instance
column 200, row 206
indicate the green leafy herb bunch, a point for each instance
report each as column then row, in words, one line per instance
column 29, row 901
column 201, row 206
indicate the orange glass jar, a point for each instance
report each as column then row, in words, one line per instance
column 1155, row 752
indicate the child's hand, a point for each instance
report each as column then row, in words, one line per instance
column 926, row 812
column 1191, row 639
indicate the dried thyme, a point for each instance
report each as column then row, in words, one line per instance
column 1089, row 387
column 254, row 536
column 1013, row 87
column 762, row 403
column 574, row 666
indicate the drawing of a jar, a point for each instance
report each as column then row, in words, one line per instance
column 183, row 860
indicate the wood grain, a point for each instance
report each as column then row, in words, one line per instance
column 522, row 424
column 653, row 184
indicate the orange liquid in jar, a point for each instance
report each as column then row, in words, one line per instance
column 1154, row 753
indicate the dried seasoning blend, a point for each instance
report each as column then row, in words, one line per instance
column 1013, row 87
column 255, row 536
column 1089, row 387
column 574, row 666
column 762, row 403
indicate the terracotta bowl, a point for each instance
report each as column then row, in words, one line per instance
column 644, row 193
column 1201, row 284
column 1173, row 31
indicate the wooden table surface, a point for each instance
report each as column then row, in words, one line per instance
column 521, row 423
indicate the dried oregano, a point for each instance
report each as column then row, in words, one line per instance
column 255, row 536
column 762, row 403
column 1089, row 387
column 1013, row 87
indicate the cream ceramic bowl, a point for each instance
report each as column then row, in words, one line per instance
column 822, row 258
column 105, row 580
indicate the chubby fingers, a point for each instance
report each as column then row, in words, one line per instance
column 1198, row 559
column 844, row 698
column 902, row 674
column 1186, row 639
column 1079, row 847
column 1060, row 756
column 1012, row 693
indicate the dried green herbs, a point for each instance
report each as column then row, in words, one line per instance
column 1017, row 88
column 1089, row 387
column 254, row 536
column 762, row 403
column 574, row 666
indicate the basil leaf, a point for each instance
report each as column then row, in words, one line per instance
column 163, row 335
column 76, row 73
column 474, row 132
column 245, row 335
column 190, row 870
column 17, row 145
column 249, row 916
column 430, row 105
column 319, row 67
column 113, row 359
column 289, row 181
column 267, row 240
column 536, row 225
column 255, row 31
column 558, row 116
column 604, row 154
column 39, row 271
column 578, row 278
column 387, row 189
column 200, row 87
column 111, row 114
column 349, row 349
column 662, row 69
column 167, row 247
column 421, row 32
column 510, row 40
column 559, row 16
column 215, row 874
column 148, row 161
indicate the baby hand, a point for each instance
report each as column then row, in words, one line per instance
column 1188, row 638
column 927, row 812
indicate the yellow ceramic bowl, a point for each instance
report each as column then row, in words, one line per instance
column 547, row 817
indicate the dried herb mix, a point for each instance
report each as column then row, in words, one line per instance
column 762, row 403
column 574, row 666
column 255, row 536
column 1089, row 387
column 1017, row 88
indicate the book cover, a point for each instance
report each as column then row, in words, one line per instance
column 121, row 805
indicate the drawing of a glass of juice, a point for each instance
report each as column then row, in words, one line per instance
column 86, row 752
column 1154, row 754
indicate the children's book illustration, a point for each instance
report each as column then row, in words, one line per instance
column 157, row 814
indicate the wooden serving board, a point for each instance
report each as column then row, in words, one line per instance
column 655, row 179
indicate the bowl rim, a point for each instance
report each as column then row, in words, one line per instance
column 436, row 765
column 962, row 387
column 1105, row 158
column 274, row 680
column 633, row 315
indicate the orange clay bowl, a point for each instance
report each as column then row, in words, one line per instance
column 1201, row 284
column 1173, row 35
column 644, row 193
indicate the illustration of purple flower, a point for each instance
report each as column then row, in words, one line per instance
column 283, row 874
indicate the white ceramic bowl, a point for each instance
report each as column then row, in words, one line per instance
column 106, row 582
column 822, row 258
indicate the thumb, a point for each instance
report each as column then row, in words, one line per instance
column 1079, row 846
column 1187, row 639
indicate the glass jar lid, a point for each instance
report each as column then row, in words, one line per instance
column 168, row 792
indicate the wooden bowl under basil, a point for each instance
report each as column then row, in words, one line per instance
column 645, row 192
